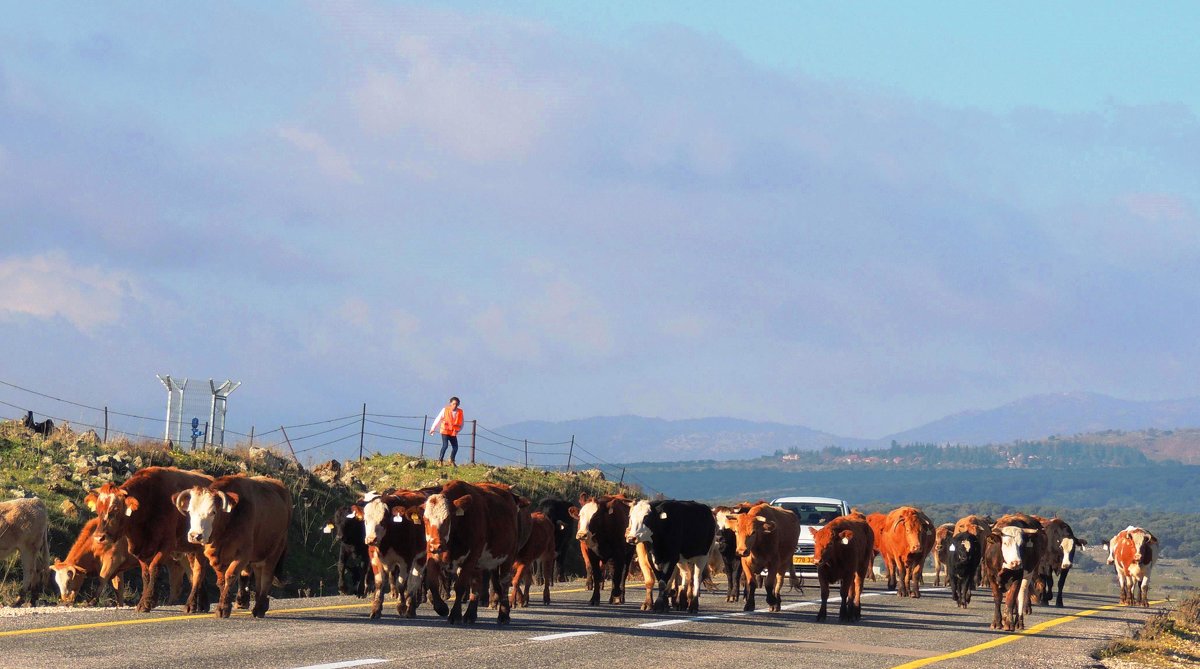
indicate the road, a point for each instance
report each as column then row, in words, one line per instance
column 335, row 632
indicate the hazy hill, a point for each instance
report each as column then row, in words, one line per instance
column 1064, row 414
column 636, row 438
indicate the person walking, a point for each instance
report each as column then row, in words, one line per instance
column 450, row 421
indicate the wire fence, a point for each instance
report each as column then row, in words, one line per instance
column 362, row 432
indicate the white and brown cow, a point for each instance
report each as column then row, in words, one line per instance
column 1133, row 552
column 394, row 533
column 242, row 524
column 24, row 528
column 601, row 533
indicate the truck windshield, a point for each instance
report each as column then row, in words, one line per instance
column 813, row 514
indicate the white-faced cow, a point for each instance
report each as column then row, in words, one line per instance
column 964, row 552
column 601, row 532
column 242, row 524
column 1012, row 556
column 1133, row 552
column 1061, row 543
column 394, row 533
column 678, row 535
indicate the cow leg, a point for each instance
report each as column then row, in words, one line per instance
column 149, row 598
column 476, row 589
column 262, row 575
column 377, row 575
column 1144, row 589
column 844, row 614
column 751, row 584
column 996, row 600
column 503, row 609
column 665, row 579
column 547, row 565
column 245, row 583
column 519, row 572
column 589, row 568
column 856, row 593
column 432, row 584
column 823, row 611
column 890, row 566
column 175, row 574
column 771, row 587
column 225, row 578
column 197, row 601
column 697, row 582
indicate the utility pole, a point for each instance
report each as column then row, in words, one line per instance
column 362, row 431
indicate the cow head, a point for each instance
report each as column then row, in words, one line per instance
column 113, row 507
column 915, row 532
column 750, row 529
column 376, row 517
column 1143, row 545
column 440, row 517
column 588, row 508
column 638, row 531
column 207, row 511
column 1013, row 544
column 960, row 550
column 826, row 541
column 68, row 578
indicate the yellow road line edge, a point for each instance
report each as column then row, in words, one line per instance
column 1040, row 627
column 193, row 616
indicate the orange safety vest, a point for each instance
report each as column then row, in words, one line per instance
column 452, row 422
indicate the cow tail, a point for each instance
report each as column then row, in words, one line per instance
column 797, row 582
column 43, row 556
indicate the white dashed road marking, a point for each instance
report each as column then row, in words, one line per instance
column 562, row 635
column 343, row 665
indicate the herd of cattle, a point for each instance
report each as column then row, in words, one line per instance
column 476, row 541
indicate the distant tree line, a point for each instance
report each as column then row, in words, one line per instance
column 1020, row 454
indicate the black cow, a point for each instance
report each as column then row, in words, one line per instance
column 352, row 556
column 1012, row 554
column 1061, row 543
column 679, row 536
column 43, row 428
column 727, row 546
column 559, row 512
column 963, row 555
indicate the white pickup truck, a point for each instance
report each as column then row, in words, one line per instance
column 812, row 512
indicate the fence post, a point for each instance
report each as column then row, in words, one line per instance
column 474, row 429
column 424, row 427
column 622, row 481
column 252, row 435
column 289, row 443
column 526, row 454
column 106, row 425
column 570, row 452
column 362, row 431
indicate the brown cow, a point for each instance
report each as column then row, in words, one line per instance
column 907, row 541
column 538, row 549
column 140, row 509
column 877, row 521
column 1012, row 556
column 602, row 524
column 766, row 539
column 242, row 523
column 843, row 552
column 24, row 527
column 88, row 558
column 1133, row 552
column 472, row 530
column 941, row 553
column 394, row 533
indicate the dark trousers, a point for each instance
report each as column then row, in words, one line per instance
column 449, row 440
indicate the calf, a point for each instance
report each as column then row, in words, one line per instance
column 980, row 527
column 394, row 536
column 562, row 519
column 964, row 552
column 907, row 541
column 726, row 545
column 843, row 553
column 766, row 539
column 1012, row 556
column 107, row 563
column 24, row 528
column 43, row 428
column 678, row 535
column 1133, row 552
column 539, row 549
column 941, row 540
column 242, row 523
column 353, row 559
column 1061, row 543
column 472, row 531
column 601, row 533
column 141, row 510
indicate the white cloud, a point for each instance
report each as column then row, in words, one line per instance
column 330, row 161
column 51, row 285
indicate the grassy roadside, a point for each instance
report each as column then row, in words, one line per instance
column 63, row 467
column 1169, row 639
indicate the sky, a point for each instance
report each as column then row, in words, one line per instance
column 856, row 217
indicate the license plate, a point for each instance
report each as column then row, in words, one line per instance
column 802, row 559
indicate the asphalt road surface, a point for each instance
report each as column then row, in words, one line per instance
column 334, row 632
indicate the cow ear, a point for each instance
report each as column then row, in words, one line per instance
column 1080, row 542
column 230, row 499
column 523, row 502
column 90, row 501
column 182, row 500
column 415, row 516
column 355, row 512
column 812, row 530
column 583, row 498
column 131, row 505
column 769, row 526
column 573, row 512
column 462, row 504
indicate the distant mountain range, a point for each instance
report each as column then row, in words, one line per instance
column 640, row 439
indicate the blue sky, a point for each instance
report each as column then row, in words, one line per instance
column 857, row 218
